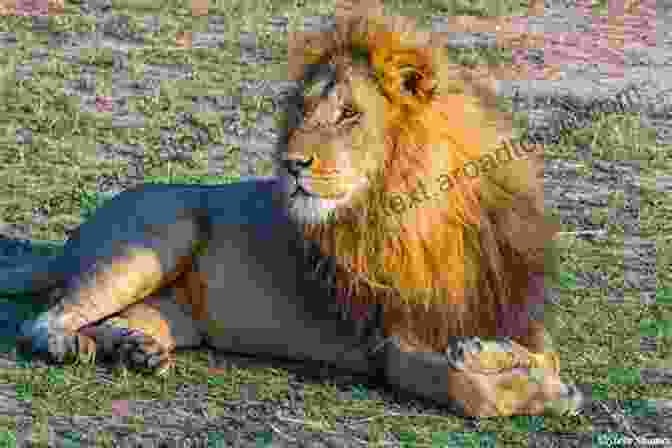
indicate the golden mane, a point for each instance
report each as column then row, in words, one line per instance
column 458, row 263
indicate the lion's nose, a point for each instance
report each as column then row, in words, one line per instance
column 295, row 165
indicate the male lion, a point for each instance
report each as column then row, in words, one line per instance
column 447, row 282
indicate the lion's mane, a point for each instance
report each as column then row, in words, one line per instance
column 456, row 265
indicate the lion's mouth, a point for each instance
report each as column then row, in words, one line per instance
column 327, row 187
column 322, row 187
column 313, row 199
column 300, row 191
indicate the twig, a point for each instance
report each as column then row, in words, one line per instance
column 333, row 433
column 584, row 232
column 393, row 414
column 294, row 420
column 282, row 434
column 230, row 416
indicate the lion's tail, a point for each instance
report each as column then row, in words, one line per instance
column 31, row 275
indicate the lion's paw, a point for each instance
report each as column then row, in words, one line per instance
column 131, row 347
column 504, row 379
column 110, row 339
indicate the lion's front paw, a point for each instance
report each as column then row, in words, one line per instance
column 501, row 378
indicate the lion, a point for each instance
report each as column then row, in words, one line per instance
column 319, row 262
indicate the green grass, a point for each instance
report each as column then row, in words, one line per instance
column 56, row 173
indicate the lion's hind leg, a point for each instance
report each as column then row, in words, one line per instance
column 484, row 378
column 95, row 293
column 112, row 281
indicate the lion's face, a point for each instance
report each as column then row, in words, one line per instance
column 365, row 123
column 335, row 140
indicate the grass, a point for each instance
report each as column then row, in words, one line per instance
column 55, row 174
